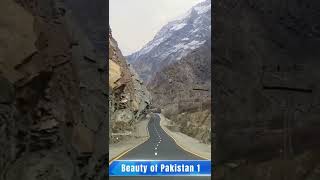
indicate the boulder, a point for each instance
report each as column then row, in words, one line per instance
column 114, row 73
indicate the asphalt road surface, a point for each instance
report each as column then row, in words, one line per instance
column 159, row 146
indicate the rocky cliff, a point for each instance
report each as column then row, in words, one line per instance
column 183, row 91
column 266, row 88
column 129, row 99
column 53, row 96
column 91, row 15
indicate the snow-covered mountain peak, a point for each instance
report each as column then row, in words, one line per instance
column 175, row 40
column 199, row 8
column 203, row 7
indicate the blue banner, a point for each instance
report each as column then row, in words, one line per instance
column 160, row 168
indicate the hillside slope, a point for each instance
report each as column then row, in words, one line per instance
column 183, row 91
column 129, row 99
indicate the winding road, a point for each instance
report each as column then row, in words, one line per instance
column 159, row 146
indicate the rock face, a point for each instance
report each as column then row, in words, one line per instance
column 91, row 15
column 15, row 36
column 129, row 99
column 53, row 105
column 174, row 41
column 266, row 86
column 183, row 91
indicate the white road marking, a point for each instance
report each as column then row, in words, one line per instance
column 155, row 153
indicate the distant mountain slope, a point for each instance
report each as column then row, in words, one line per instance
column 174, row 41
column 182, row 91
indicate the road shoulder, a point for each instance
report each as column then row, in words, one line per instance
column 141, row 135
column 187, row 143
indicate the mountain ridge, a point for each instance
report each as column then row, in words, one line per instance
column 183, row 91
column 174, row 41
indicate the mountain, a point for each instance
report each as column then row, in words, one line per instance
column 183, row 91
column 176, row 67
column 174, row 41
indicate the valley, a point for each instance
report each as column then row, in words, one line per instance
column 170, row 77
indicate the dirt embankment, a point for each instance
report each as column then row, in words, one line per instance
column 130, row 140
column 186, row 142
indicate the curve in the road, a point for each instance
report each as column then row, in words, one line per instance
column 159, row 146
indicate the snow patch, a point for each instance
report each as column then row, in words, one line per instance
column 178, row 27
column 203, row 9
column 191, row 45
column 180, row 46
column 198, row 20
column 195, row 44
column 195, row 30
column 149, row 47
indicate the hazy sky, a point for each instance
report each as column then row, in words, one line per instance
column 135, row 22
